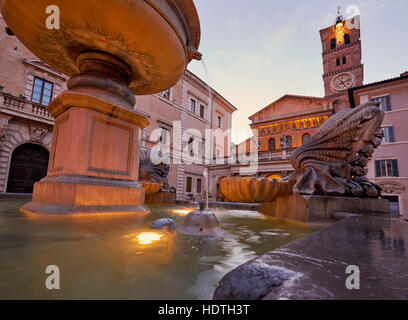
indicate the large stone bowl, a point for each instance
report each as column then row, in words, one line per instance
column 155, row 39
column 253, row 190
column 150, row 187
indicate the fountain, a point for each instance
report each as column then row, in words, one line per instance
column 103, row 47
column 328, row 168
column 201, row 222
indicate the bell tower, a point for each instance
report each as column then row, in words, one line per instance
column 342, row 67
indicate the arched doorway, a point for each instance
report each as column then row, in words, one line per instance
column 29, row 164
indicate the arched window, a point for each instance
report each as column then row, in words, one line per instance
column 305, row 138
column 346, row 38
column 289, row 141
column 344, row 60
column 271, row 144
column 337, row 61
column 333, row 44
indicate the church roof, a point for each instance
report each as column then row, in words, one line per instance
column 318, row 100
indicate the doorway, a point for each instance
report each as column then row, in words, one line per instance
column 29, row 164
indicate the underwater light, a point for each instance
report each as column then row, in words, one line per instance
column 183, row 212
column 148, row 237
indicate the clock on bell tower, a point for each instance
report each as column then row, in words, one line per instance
column 342, row 67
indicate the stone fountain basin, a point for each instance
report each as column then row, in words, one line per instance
column 155, row 38
column 253, row 190
column 150, row 187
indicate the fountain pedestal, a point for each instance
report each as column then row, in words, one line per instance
column 112, row 50
column 94, row 161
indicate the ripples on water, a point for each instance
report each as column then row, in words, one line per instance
column 108, row 258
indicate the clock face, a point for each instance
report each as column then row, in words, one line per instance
column 343, row 81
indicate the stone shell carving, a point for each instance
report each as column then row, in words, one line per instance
column 150, row 187
column 38, row 133
column 253, row 190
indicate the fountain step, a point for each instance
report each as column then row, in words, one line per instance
column 312, row 208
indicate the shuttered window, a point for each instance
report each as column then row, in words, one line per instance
column 386, row 168
column 199, row 181
column 388, row 134
column 189, row 181
column 385, row 102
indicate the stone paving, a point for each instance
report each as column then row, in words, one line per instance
column 315, row 267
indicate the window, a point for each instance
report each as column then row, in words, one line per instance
column 165, row 94
column 218, row 153
column 190, row 146
column 388, row 134
column 385, row 102
column 344, row 60
column 271, row 144
column 333, row 44
column 42, row 91
column 164, row 135
column 305, row 138
column 219, row 122
column 289, row 142
column 189, row 182
column 198, row 185
column 192, row 105
column 346, row 38
column 386, row 168
column 337, row 61
column 202, row 111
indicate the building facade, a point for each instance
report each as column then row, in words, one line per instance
column 27, row 86
column 389, row 166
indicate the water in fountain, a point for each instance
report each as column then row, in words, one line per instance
column 122, row 258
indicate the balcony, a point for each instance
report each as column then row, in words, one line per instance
column 262, row 156
column 277, row 155
column 22, row 107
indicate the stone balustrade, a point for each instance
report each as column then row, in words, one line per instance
column 23, row 106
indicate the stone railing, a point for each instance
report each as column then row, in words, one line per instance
column 276, row 155
column 263, row 156
column 23, row 106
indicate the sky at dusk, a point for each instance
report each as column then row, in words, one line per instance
column 255, row 51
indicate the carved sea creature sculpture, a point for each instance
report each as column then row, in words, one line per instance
column 253, row 190
column 332, row 163
column 152, row 172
